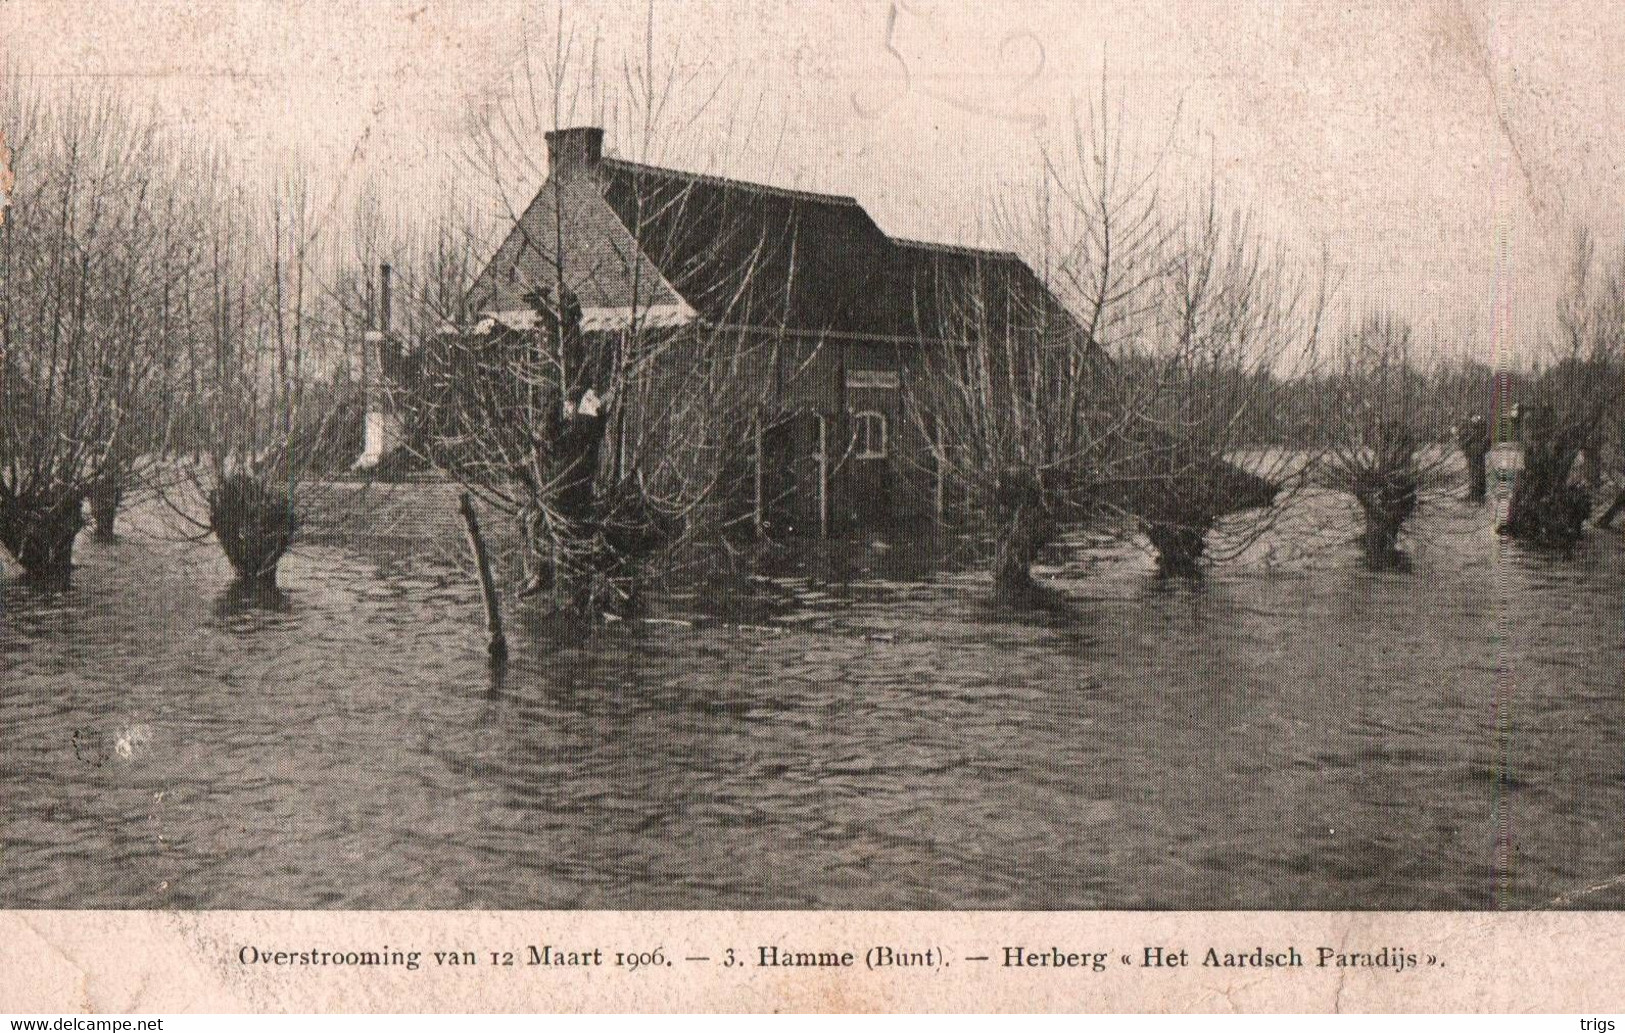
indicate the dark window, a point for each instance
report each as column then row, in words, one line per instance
column 869, row 435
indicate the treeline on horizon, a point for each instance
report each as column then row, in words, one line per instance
column 1452, row 391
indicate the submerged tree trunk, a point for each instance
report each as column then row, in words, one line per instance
column 255, row 522
column 1179, row 547
column 1478, row 477
column 1024, row 526
column 40, row 534
column 564, row 545
column 1545, row 515
column 1014, row 550
column 1180, row 505
column 535, row 551
column 1546, row 508
column 1387, row 498
column 105, row 499
column 1383, row 524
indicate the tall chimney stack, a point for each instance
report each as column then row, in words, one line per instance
column 382, row 425
column 574, row 151
column 384, row 298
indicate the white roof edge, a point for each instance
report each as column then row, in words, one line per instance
column 595, row 317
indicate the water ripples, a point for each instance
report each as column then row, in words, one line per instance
column 1293, row 731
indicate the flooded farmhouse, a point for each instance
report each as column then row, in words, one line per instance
column 834, row 329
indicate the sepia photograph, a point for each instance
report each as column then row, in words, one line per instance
column 870, row 455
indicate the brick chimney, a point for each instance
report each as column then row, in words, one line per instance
column 574, row 151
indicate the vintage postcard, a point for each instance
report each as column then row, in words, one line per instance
column 860, row 505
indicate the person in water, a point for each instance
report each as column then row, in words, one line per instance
column 1473, row 435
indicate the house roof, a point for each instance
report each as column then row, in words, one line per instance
column 947, row 292
column 642, row 239
column 602, row 262
column 746, row 254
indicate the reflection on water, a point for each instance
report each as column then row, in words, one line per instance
column 1292, row 731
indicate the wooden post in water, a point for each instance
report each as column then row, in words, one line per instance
column 823, row 476
column 760, row 516
column 941, row 472
column 497, row 647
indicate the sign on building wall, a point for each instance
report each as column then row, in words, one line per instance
column 881, row 378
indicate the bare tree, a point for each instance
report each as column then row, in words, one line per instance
column 607, row 436
column 1203, row 471
column 1386, row 437
column 1129, row 378
column 95, row 241
column 1574, row 406
column 1020, row 376
column 266, row 425
column 145, row 318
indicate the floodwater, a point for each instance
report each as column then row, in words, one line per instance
column 1293, row 731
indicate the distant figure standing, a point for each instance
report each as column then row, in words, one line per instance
column 1474, row 438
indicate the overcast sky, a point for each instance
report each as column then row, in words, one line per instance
column 1443, row 153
